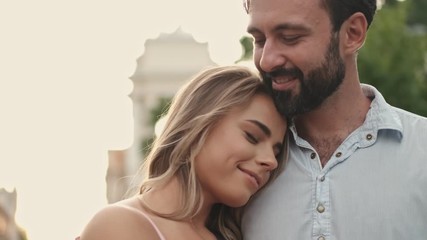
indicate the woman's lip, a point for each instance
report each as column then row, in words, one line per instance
column 256, row 179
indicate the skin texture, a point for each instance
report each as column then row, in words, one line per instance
column 238, row 144
column 316, row 75
column 297, row 34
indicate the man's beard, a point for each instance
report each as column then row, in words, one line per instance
column 318, row 85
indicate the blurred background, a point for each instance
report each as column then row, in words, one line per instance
column 83, row 83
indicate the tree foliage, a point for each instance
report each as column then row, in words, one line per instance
column 156, row 113
column 393, row 59
column 416, row 11
column 247, row 48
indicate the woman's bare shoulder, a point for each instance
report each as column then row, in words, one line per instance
column 122, row 221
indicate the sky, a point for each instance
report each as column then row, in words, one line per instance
column 64, row 86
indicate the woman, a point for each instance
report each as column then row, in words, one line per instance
column 221, row 143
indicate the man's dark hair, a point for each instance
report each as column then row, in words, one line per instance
column 341, row 10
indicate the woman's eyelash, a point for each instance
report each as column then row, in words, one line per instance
column 251, row 138
column 278, row 154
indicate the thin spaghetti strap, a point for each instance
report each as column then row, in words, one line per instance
column 154, row 225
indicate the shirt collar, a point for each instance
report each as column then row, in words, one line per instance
column 380, row 116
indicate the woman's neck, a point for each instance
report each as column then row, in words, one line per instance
column 167, row 199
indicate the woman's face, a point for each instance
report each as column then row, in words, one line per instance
column 240, row 152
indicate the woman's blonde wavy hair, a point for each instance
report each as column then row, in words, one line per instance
column 194, row 111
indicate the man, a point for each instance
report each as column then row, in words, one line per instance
column 357, row 167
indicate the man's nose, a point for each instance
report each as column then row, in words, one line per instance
column 271, row 57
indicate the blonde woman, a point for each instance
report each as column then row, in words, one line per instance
column 222, row 142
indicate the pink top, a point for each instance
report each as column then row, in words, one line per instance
column 152, row 224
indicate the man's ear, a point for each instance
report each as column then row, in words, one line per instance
column 353, row 33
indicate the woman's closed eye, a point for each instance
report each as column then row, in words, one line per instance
column 251, row 138
column 277, row 153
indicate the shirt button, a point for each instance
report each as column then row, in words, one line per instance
column 313, row 155
column 338, row 154
column 320, row 208
column 321, row 238
column 322, row 178
column 369, row 136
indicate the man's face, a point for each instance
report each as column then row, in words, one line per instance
column 295, row 52
column 315, row 86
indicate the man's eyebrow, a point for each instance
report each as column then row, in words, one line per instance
column 280, row 27
column 252, row 30
column 261, row 126
column 290, row 26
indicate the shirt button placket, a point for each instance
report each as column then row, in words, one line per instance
column 320, row 208
column 322, row 222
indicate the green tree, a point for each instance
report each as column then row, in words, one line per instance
column 247, row 48
column 393, row 59
column 416, row 11
column 155, row 114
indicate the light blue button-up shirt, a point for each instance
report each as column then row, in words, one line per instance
column 374, row 187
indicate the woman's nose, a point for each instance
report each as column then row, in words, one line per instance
column 268, row 160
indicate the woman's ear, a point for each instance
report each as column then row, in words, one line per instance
column 353, row 33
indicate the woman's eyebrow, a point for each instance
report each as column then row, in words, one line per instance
column 267, row 132
column 261, row 126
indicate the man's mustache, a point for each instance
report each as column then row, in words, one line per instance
column 284, row 72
